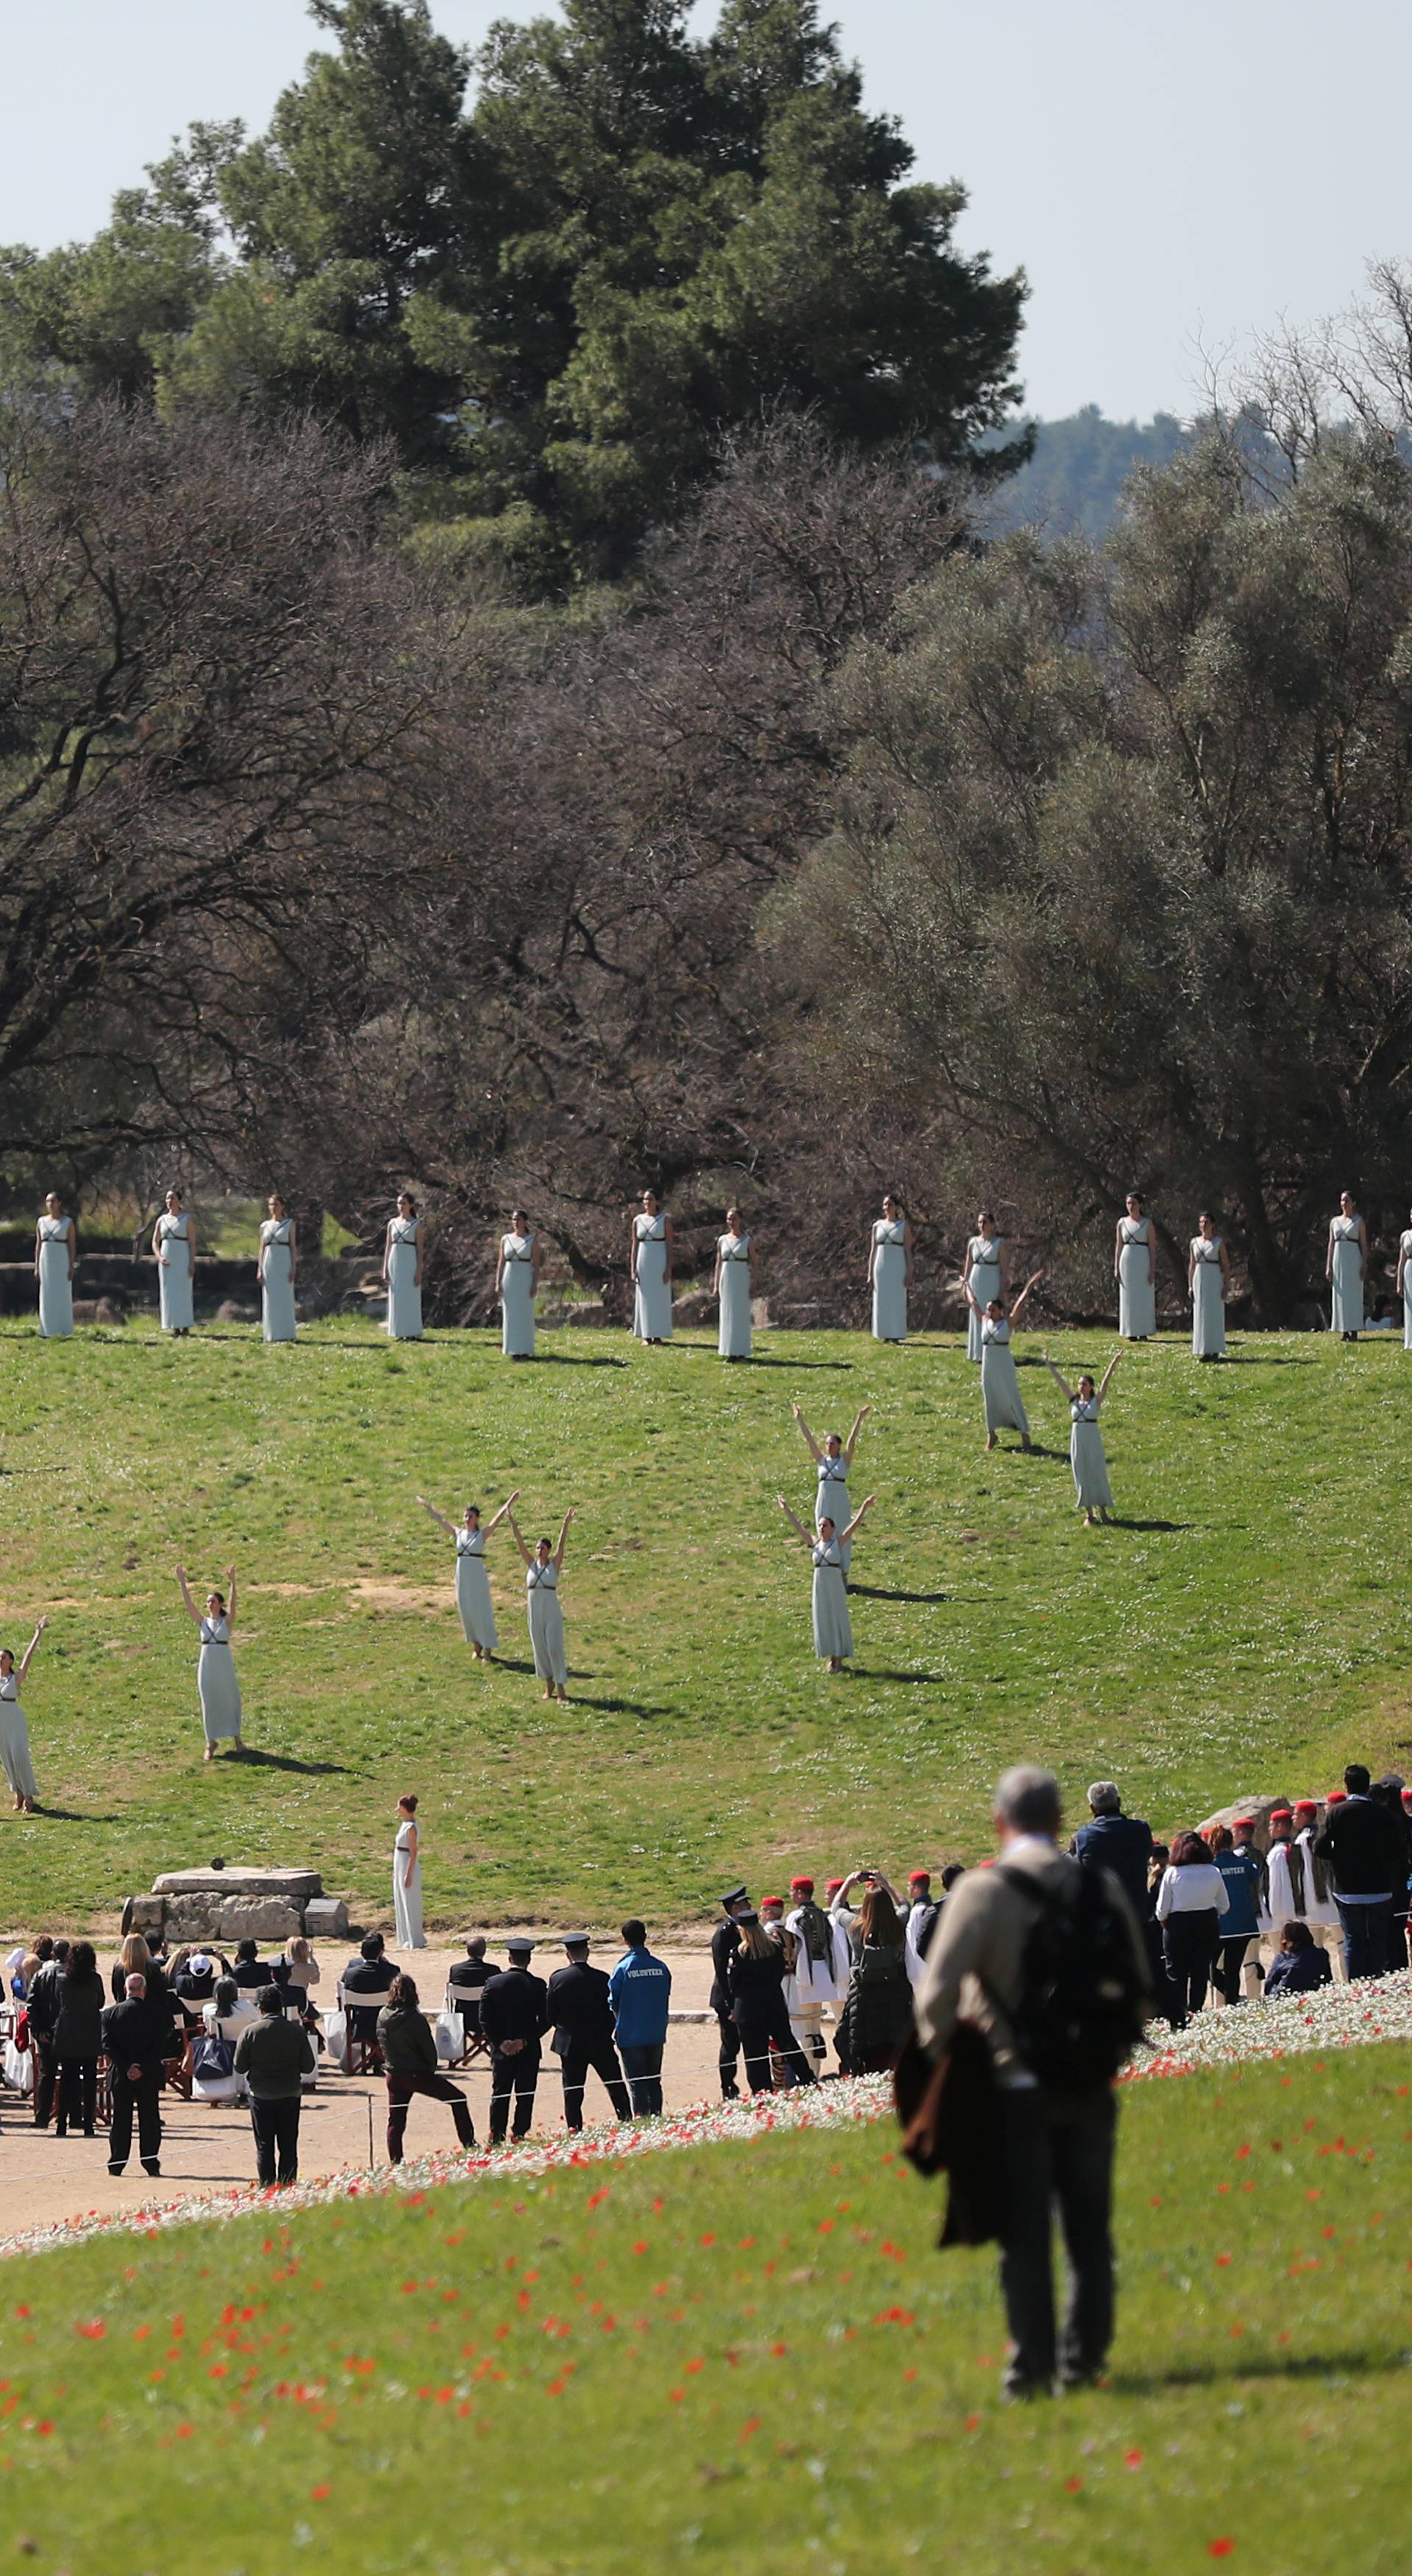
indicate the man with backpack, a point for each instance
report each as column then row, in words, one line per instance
column 1044, row 1956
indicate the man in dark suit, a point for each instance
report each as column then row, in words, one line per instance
column 581, row 2016
column 513, row 2018
column 369, row 1974
column 136, row 2038
column 725, row 1941
column 466, row 1979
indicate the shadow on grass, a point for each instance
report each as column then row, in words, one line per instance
column 254, row 1759
column 615, row 1706
column 879, row 1592
column 576, row 1359
column 1213, row 2374
column 880, row 1673
column 1120, row 1521
column 72, row 1815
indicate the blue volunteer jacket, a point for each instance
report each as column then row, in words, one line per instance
column 640, row 1987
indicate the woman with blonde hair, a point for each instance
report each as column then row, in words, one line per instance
column 135, row 1959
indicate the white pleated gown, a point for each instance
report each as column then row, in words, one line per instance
column 1137, row 1298
column 517, row 1296
column 56, row 1294
column 277, row 1279
column 832, row 1499
column 1086, row 1457
column 404, row 1297
column 1000, row 1386
column 407, row 1901
column 14, row 1740
column 546, row 1624
column 174, row 1275
column 733, row 1342
column 985, row 1284
column 1405, row 1248
column 1208, row 1300
column 216, row 1681
column 473, row 1591
column 833, row 1628
column 652, row 1300
column 1346, row 1301
column 890, row 1281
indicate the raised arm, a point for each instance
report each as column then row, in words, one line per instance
column 859, row 1418
column 230, row 1596
column 186, row 1594
column 502, row 1514
column 563, row 1534
column 810, row 1443
column 1032, row 1282
column 794, row 1524
column 859, row 1517
column 436, row 1515
column 515, row 1533
column 28, row 1656
column 1103, row 1381
column 1062, row 1383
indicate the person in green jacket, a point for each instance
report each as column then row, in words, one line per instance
column 273, row 2054
column 410, row 2064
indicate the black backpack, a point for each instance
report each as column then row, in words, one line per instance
column 1080, row 2013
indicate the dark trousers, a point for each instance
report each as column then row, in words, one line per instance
column 1188, row 1948
column 276, row 2127
column 1367, row 1934
column 1230, row 1959
column 643, row 2068
column 602, row 2056
column 437, row 2088
column 78, row 2094
column 1058, row 2148
column 46, row 2071
column 755, row 2037
column 518, row 2075
column 727, row 2056
column 144, row 2097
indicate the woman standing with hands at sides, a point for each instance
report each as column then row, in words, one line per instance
column 472, row 1582
column 55, row 1261
column 1208, row 1276
column 890, row 1271
column 402, row 1270
column 833, row 1462
column 1135, row 1269
column 1000, row 1387
column 407, row 1879
column 1404, row 1285
column 546, row 1617
column 174, row 1243
column 731, row 1284
column 833, row 1628
column 1346, row 1268
column 14, row 1729
column 517, row 1286
column 651, row 1244
column 278, row 1262
column 1095, row 1498
column 984, row 1274
column 215, row 1665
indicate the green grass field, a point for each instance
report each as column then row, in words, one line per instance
column 1248, row 1622
column 748, row 2350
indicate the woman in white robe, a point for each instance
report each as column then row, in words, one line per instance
column 472, row 1581
column 1000, row 1386
column 1208, row 1276
column 833, row 1627
column 984, row 1274
column 650, row 1250
column 174, row 1243
column 402, row 1270
column 216, row 1682
column 1404, row 1285
column 1135, row 1269
column 543, row 1567
column 55, row 1261
column 517, row 1286
column 731, row 1283
column 14, row 1726
column 277, row 1268
column 407, row 1879
column 1086, row 1454
column 890, row 1271
column 833, row 1464
column 1346, row 1268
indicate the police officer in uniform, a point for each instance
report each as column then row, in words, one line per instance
column 513, row 2018
column 725, row 1941
column 581, row 2016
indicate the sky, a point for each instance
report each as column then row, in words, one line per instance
column 1171, row 180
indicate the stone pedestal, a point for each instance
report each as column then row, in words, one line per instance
column 230, row 1905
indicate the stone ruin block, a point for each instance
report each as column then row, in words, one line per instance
column 259, row 1918
column 326, row 1919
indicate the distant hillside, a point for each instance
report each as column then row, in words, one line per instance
column 1073, row 481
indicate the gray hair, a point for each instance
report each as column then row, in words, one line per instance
column 1027, row 1800
column 1104, row 1799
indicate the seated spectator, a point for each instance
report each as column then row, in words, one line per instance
column 465, row 1978
column 369, row 1974
column 250, row 1972
column 213, row 2075
column 25, row 1972
column 1300, row 1965
column 303, row 1966
column 194, row 1983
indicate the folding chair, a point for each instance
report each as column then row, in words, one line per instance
column 362, row 2056
column 465, row 2003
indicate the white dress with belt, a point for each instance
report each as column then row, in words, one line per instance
column 546, row 1623
column 14, row 1740
column 174, row 1273
column 1000, row 1386
column 734, row 1338
column 277, row 1278
column 216, row 1681
column 56, row 1288
column 404, row 1296
column 832, row 1502
column 890, row 1280
column 1086, row 1456
column 1346, row 1302
column 833, row 1628
column 407, row 1901
column 1208, row 1299
column 1137, row 1297
column 984, row 1278
column 473, row 1591
column 652, row 1300
column 517, row 1296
